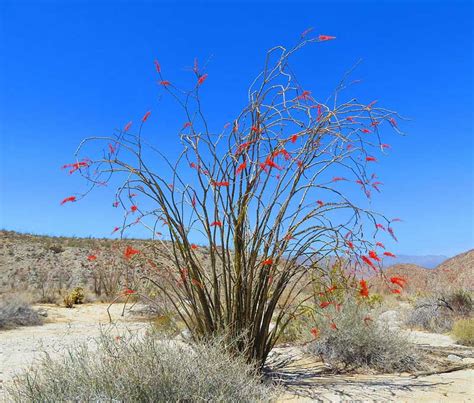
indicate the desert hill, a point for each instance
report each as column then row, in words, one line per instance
column 36, row 262
column 453, row 274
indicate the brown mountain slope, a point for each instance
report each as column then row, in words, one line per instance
column 455, row 273
column 418, row 279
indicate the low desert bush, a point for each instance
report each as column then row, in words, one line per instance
column 354, row 338
column 128, row 369
column 74, row 297
column 463, row 331
column 439, row 312
column 15, row 310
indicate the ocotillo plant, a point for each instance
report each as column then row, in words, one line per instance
column 267, row 196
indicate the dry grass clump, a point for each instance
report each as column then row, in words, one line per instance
column 151, row 369
column 15, row 310
column 439, row 312
column 354, row 338
column 463, row 331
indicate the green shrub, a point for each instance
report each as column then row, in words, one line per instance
column 126, row 369
column 15, row 310
column 354, row 338
column 463, row 332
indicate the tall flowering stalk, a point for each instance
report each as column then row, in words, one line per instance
column 267, row 196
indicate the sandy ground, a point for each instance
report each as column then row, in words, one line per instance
column 20, row 347
column 304, row 379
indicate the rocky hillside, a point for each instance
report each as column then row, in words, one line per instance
column 453, row 274
column 32, row 262
column 45, row 265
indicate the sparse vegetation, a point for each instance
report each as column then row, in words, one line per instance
column 75, row 297
column 15, row 310
column 438, row 313
column 463, row 331
column 149, row 370
column 354, row 338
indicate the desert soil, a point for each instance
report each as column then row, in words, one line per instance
column 304, row 379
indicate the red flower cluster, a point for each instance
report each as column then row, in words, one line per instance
column 364, row 289
column 130, row 252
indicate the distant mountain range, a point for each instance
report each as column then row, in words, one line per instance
column 427, row 261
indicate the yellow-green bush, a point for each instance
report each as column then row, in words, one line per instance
column 75, row 297
column 463, row 331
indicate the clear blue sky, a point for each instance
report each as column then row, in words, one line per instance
column 70, row 69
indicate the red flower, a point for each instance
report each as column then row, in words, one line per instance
column 320, row 203
column 324, row 304
column 194, row 246
column 222, row 183
column 306, row 95
column 326, row 38
column 380, row 244
column 315, row 332
column 69, row 199
column 77, row 165
column 267, row 262
column 372, row 104
column 128, row 291
column 115, row 230
column 368, row 261
column 338, row 178
column 390, row 230
column 382, row 146
column 241, row 167
column 111, row 149
column 272, row 164
column 294, row 138
column 380, row 226
column 333, row 326
column 127, row 126
column 350, row 119
column 129, row 252
column 243, row 147
column 365, row 131
column 146, row 116
column 164, row 83
column 395, row 291
column 373, row 255
column 91, row 258
column 389, row 254
column 364, row 289
column 133, row 208
column 186, row 125
column 371, row 159
column 400, row 281
column 157, row 66
column 216, row 224
column 393, row 122
column 350, row 244
column 202, row 79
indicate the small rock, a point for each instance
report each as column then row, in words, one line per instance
column 453, row 357
column 42, row 312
